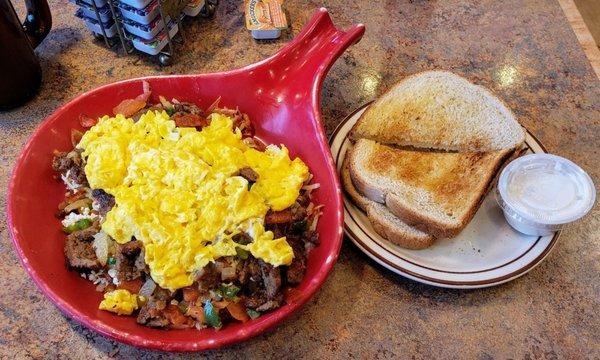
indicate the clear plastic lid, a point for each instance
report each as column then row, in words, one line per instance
column 546, row 189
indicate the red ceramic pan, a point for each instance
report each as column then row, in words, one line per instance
column 281, row 94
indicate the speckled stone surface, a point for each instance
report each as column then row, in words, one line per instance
column 524, row 50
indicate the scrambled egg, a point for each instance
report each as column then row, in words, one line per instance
column 119, row 301
column 177, row 191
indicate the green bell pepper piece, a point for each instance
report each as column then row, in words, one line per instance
column 211, row 315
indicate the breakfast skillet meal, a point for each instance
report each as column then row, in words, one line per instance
column 425, row 155
column 182, row 217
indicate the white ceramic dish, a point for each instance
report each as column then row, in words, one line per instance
column 487, row 252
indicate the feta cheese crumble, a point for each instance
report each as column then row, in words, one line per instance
column 69, row 183
column 72, row 218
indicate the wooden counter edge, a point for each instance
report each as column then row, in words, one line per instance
column 583, row 33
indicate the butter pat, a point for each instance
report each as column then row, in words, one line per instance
column 265, row 18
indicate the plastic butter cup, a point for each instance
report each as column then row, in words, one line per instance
column 541, row 193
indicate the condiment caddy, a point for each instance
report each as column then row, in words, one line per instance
column 139, row 24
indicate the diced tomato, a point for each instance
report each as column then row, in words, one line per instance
column 129, row 107
column 86, row 121
column 133, row 286
column 220, row 304
column 76, row 136
column 197, row 312
column 238, row 311
column 190, row 294
column 291, row 295
column 176, row 318
column 189, row 120
column 279, row 217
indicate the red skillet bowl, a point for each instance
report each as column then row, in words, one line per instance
column 281, row 94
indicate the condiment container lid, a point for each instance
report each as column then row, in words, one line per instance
column 545, row 189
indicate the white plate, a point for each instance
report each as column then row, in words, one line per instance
column 487, row 252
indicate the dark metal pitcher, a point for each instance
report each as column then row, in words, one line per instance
column 20, row 72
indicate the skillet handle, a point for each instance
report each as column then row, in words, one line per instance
column 307, row 58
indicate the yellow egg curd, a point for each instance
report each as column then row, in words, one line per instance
column 177, row 191
column 119, row 301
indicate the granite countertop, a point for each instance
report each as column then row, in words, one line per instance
column 524, row 51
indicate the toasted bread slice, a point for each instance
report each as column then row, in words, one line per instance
column 436, row 192
column 443, row 111
column 383, row 221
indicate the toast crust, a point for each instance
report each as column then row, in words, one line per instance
column 399, row 237
column 359, row 200
column 362, row 186
column 385, row 227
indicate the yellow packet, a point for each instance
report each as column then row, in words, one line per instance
column 265, row 18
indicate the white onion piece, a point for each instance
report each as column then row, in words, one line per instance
column 219, row 266
column 315, row 221
column 228, row 273
column 145, row 86
column 165, row 103
column 101, row 247
column 77, row 204
column 311, row 187
column 148, row 288
column 312, row 209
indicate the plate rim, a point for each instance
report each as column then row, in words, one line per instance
column 467, row 284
